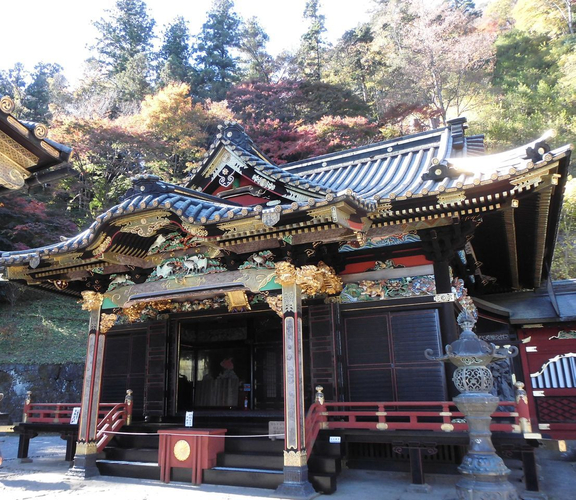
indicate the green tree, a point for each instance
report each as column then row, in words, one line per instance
column 354, row 62
column 175, row 53
column 217, row 68
column 13, row 84
column 313, row 45
column 258, row 65
column 124, row 53
column 126, row 32
column 564, row 262
column 552, row 17
column 39, row 93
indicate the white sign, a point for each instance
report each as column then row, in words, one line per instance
column 335, row 439
column 189, row 421
column 75, row 415
column 275, row 430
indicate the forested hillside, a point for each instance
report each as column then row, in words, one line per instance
column 151, row 97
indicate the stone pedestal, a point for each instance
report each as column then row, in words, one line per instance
column 484, row 475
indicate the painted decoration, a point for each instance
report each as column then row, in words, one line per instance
column 179, row 267
column 381, row 241
column 368, row 290
column 259, row 260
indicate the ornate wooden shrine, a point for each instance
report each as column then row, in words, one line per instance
column 253, row 283
column 27, row 157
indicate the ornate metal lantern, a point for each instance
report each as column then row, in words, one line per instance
column 484, row 472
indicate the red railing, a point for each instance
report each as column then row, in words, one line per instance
column 439, row 416
column 111, row 416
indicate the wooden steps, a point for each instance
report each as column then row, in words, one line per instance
column 255, row 462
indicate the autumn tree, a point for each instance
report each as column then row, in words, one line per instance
column 438, row 62
column 107, row 154
column 216, row 66
column 33, row 221
column 183, row 126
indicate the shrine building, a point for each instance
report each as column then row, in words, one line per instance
column 254, row 292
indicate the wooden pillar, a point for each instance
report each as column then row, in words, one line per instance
column 86, row 449
column 448, row 326
column 296, row 484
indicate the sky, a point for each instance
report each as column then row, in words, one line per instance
column 59, row 31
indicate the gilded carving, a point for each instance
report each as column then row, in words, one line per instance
column 194, row 230
column 145, row 226
column 83, row 448
column 91, row 301
column 241, row 226
column 40, row 131
column 285, row 273
column 101, row 248
column 7, row 104
column 107, row 321
column 275, row 303
column 295, row 458
column 53, row 151
column 10, row 178
column 451, row 198
column 14, row 162
column 311, row 279
column 237, row 301
column 136, row 311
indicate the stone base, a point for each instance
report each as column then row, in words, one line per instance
column 420, row 488
column 489, row 488
column 25, row 460
column 84, row 466
column 296, row 484
column 533, row 495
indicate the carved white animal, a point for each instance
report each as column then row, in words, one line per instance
column 201, row 262
column 118, row 280
column 157, row 242
column 189, row 264
column 164, row 271
column 258, row 259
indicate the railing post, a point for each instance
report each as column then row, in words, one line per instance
column 129, row 400
column 27, row 403
column 522, row 408
column 319, row 395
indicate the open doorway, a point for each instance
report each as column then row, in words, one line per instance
column 230, row 362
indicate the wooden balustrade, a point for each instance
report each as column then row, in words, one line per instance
column 438, row 416
column 111, row 416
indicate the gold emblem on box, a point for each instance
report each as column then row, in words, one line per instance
column 182, row 450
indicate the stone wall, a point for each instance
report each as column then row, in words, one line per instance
column 49, row 383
